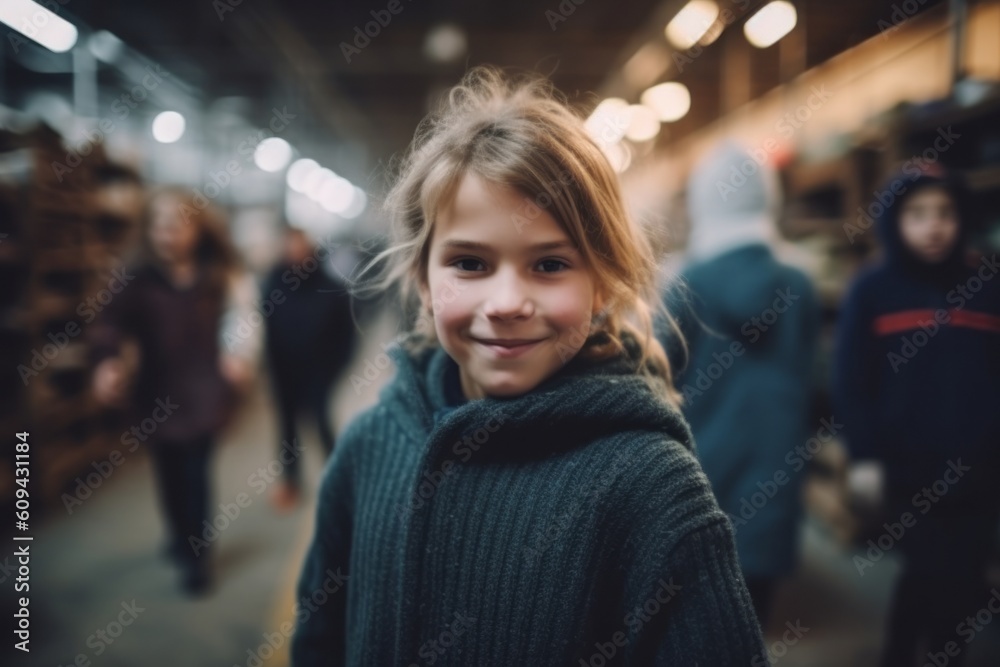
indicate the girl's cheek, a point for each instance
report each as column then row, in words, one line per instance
column 452, row 310
column 568, row 308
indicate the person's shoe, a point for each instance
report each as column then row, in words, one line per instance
column 285, row 497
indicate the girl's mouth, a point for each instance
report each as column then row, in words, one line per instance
column 507, row 348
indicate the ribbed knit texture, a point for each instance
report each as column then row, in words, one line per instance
column 570, row 525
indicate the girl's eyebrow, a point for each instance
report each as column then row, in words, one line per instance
column 537, row 247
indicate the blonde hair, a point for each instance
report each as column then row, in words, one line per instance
column 519, row 134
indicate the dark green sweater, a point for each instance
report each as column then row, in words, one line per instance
column 571, row 525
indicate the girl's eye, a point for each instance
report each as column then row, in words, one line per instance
column 467, row 264
column 552, row 265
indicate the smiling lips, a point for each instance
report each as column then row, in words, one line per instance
column 508, row 347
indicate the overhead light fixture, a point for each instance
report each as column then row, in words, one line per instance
column 691, row 23
column 713, row 33
column 608, row 122
column 168, row 127
column 771, row 23
column 357, row 206
column 337, row 195
column 643, row 124
column 272, row 154
column 316, row 181
column 671, row 101
column 39, row 24
column 298, row 174
column 445, row 43
column 105, row 46
column 619, row 155
column 311, row 182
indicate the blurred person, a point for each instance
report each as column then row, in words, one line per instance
column 917, row 385
column 183, row 307
column 525, row 483
column 751, row 325
column 310, row 336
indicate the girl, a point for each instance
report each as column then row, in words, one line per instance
column 181, row 308
column 525, row 491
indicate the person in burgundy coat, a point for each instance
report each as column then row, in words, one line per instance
column 179, row 308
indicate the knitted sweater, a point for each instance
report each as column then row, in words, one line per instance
column 571, row 525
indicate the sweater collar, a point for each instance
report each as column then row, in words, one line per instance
column 582, row 401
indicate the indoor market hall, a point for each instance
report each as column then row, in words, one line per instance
column 561, row 333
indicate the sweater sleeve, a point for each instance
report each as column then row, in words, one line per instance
column 709, row 619
column 685, row 600
column 321, row 609
column 855, row 374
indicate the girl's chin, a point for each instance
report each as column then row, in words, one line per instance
column 505, row 385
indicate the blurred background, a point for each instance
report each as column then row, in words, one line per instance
column 282, row 120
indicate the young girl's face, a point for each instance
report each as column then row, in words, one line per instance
column 512, row 298
column 928, row 224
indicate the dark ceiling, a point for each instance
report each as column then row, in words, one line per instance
column 289, row 53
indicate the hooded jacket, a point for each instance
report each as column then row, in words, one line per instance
column 751, row 325
column 917, row 372
column 564, row 524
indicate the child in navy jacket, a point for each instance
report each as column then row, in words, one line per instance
column 917, row 385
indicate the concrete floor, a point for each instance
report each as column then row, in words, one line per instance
column 103, row 565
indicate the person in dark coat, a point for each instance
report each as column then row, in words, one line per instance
column 751, row 324
column 310, row 338
column 183, row 303
column 917, row 385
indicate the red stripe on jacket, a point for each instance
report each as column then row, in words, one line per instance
column 906, row 320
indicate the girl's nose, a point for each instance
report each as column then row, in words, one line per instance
column 508, row 297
